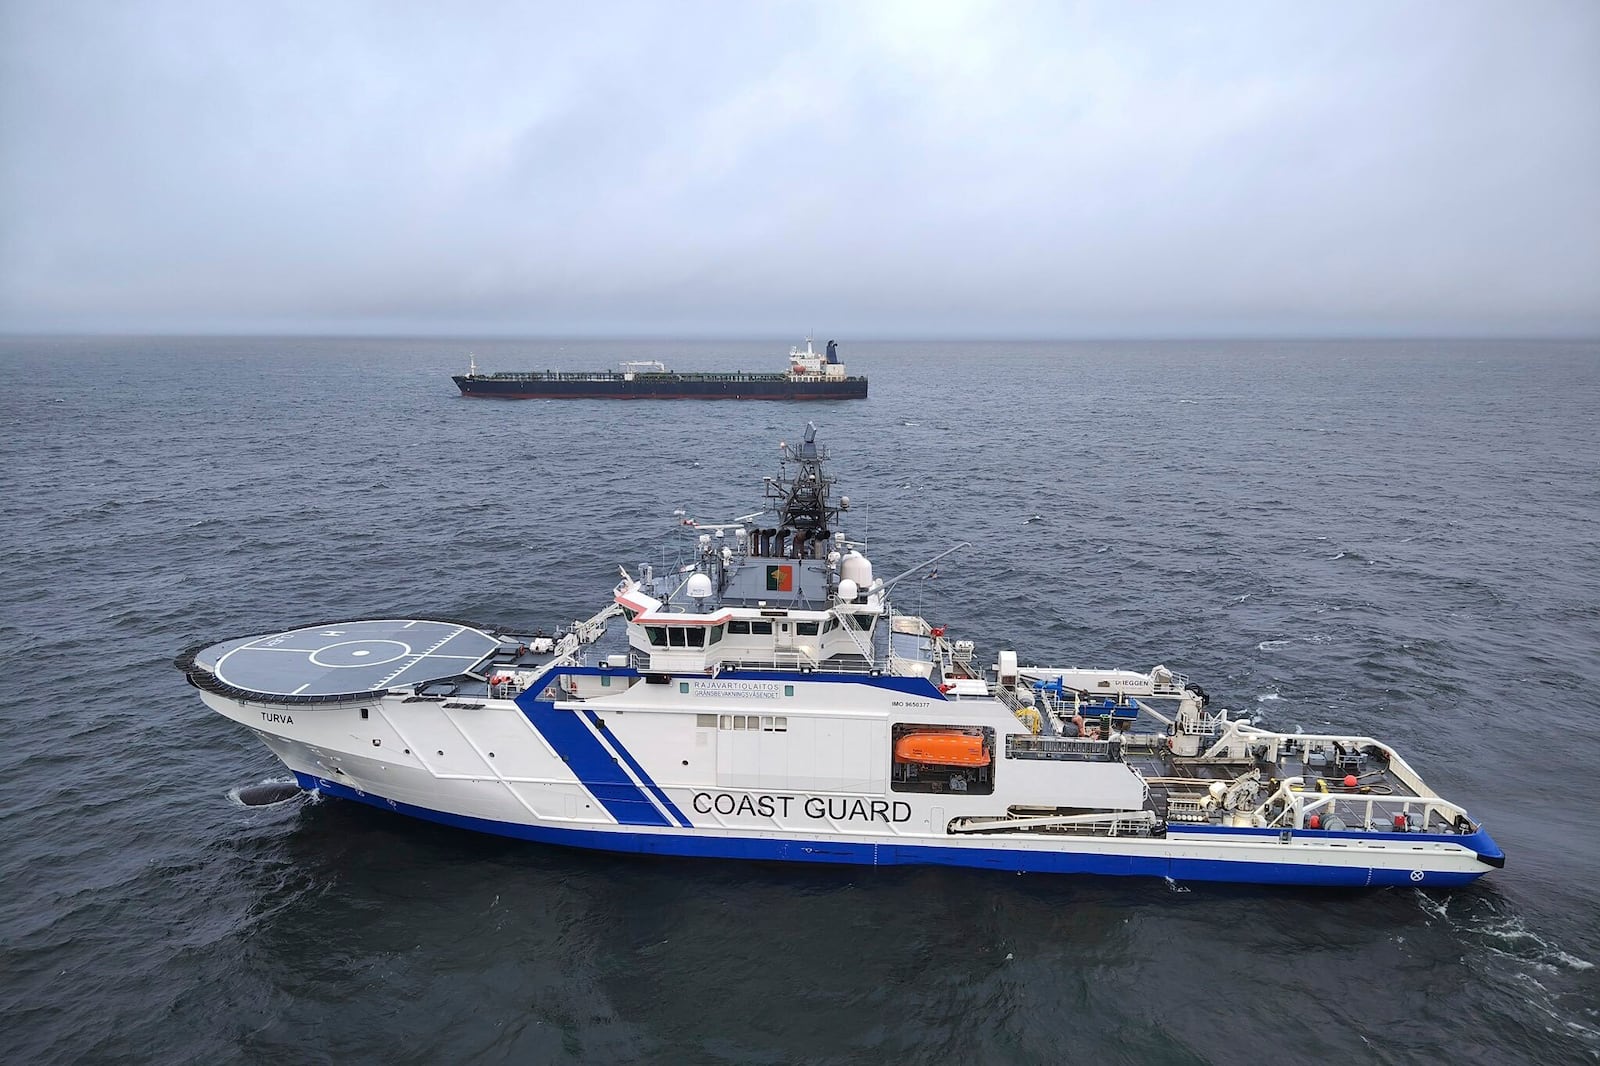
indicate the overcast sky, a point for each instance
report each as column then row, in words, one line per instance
column 756, row 168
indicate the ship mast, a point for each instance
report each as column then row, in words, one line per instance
column 803, row 506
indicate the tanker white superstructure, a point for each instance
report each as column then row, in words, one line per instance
column 770, row 703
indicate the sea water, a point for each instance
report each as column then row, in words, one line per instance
column 1395, row 538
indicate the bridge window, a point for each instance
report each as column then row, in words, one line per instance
column 696, row 635
column 764, row 628
column 716, row 635
column 676, row 637
column 657, row 635
column 806, row 629
column 738, row 628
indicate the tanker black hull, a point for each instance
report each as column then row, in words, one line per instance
column 560, row 386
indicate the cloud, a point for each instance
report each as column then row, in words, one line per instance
column 886, row 168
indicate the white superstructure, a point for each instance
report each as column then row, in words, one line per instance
column 807, row 362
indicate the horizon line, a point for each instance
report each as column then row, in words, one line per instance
column 869, row 337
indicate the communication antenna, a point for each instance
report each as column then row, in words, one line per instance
column 887, row 585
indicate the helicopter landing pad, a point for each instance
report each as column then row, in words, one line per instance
column 349, row 657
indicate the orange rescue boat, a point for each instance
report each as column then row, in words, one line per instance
column 941, row 749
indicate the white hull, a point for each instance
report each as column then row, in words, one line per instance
column 525, row 789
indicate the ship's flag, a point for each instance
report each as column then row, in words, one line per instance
column 780, row 579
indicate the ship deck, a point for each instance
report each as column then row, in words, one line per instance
column 1378, row 796
column 347, row 660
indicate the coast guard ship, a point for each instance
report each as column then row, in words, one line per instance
column 765, row 700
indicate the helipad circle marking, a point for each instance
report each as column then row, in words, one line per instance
column 405, row 649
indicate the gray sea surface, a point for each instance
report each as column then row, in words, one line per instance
column 1394, row 538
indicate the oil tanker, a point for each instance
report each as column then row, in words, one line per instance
column 811, row 375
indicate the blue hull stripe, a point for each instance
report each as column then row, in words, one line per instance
column 638, row 771
column 683, row 843
column 599, row 771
